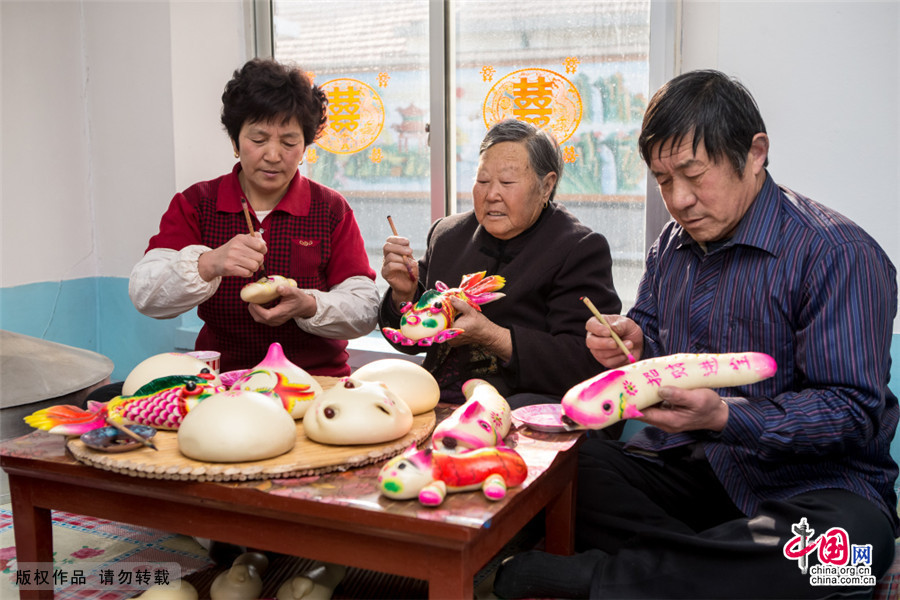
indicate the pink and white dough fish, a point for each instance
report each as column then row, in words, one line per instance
column 623, row 392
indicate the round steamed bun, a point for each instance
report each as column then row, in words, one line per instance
column 163, row 365
column 237, row 426
column 409, row 381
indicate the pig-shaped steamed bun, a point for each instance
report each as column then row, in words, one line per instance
column 413, row 384
column 357, row 412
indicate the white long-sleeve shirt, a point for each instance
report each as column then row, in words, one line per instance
column 166, row 283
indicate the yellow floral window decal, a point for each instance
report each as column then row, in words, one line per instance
column 355, row 116
column 538, row 96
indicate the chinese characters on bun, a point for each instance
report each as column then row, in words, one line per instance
column 623, row 392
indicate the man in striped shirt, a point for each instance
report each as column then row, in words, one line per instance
column 747, row 491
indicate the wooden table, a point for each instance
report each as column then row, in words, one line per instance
column 337, row 517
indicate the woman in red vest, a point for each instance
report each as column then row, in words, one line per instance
column 204, row 253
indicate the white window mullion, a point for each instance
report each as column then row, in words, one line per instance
column 259, row 13
column 441, row 121
column 664, row 64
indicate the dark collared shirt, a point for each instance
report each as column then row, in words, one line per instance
column 809, row 287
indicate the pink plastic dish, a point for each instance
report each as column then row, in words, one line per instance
column 542, row 417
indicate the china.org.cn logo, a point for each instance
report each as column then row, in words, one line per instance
column 842, row 563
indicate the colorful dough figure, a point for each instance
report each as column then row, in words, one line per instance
column 163, row 365
column 621, row 393
column 430, row 475
column 483, row 420
column 162, row 403
column 279, row 377
column 429, row 320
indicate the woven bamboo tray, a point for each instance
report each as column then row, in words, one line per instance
column 306, row 458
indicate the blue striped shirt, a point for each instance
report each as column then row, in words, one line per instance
column 809, row 287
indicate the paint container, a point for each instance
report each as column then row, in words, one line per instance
column 210, row 357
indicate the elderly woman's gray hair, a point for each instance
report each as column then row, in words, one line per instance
column 544, row 153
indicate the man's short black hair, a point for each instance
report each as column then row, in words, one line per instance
column 708, row 105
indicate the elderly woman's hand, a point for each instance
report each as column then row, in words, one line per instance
column 241, row 256
column 605, row 349
column 293, row 303
column 478, row 329
column 400, row 269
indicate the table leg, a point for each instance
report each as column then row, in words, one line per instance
column 449, row 579
column 33, row 530
column 559, row 520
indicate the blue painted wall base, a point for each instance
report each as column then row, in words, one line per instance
column 93, row 313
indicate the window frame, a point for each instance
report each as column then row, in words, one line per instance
column 664, row 63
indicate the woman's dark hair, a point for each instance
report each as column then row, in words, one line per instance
column 265, row 90
column 544, row 154
column 716, row 109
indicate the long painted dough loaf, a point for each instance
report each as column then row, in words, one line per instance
column 621, row 393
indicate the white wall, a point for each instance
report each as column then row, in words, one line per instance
column 47, row 212
column 129, row 121
column 826, row 76
column 109, row 108
column 211, row 41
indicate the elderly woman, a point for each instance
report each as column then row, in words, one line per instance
column 530, row 344
column 204, row 252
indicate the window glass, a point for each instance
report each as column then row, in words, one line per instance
column 371, row 59
column 578, row 67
